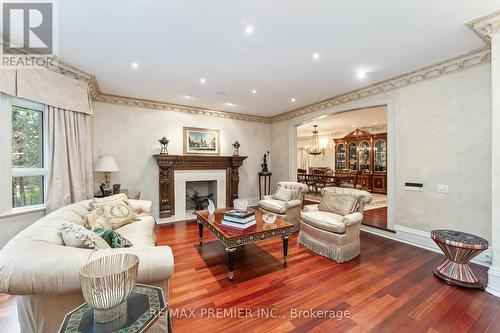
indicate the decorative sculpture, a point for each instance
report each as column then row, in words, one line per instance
column 264, row 167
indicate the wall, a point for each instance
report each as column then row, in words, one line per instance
column 442, row 136
column 131, row 135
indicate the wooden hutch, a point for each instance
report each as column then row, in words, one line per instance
column 366, row 154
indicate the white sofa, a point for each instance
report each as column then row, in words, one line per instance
column 37, row 266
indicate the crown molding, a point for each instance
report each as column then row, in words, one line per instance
column 150, row 104
column 470, row 59
column 485, row 26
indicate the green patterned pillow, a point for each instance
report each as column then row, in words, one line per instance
column 114, row 239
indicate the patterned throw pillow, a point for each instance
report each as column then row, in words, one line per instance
column 114, row 212
column 113, row 238
column 338, row 203
column 77, row 236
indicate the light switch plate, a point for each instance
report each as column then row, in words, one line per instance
column 441, row 188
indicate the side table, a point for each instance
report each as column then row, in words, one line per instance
column 459, row 248
column 144, row 306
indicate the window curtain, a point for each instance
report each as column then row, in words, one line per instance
column 70, row 176
column 303, row 159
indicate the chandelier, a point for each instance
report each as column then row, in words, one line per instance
column 314, row 148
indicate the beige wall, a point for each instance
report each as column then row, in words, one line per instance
column 442, row 136
column 131, row 135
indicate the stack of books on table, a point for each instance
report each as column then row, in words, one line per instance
column 238, row 219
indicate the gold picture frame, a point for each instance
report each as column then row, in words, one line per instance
column 201, row 141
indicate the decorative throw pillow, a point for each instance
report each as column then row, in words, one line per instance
column 113, row 238
column 284, row 194
column 106, row 200
column 338, row 203
column 114, row 212
column 77, row 236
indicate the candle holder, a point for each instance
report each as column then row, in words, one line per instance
column 164, row 144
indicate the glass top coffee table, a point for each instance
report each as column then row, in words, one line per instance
column 144, row 306
column 232, row 238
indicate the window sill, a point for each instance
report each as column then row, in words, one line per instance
column 23, row 211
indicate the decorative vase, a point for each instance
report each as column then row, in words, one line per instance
column 164, row 144
column 106, row 284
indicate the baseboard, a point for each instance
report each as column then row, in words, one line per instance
column 423, row 240
column 493, row 282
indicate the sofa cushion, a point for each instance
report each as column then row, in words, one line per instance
column 113, row 214
column 77, row 236
column 139, row 233
column 338, row 203
column 273, row 205
column 285, row 195
column 324, row 220
column 94, row 203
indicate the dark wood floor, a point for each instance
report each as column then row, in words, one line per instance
column 389, row 288
column 376, row 218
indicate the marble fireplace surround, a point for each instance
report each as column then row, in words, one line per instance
column 176, row 170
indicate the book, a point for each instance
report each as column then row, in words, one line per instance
column 239, row 220
column 238, row 231
column 238, row 225
column 238, row 213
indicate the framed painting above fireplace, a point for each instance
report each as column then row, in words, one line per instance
column 201, row 141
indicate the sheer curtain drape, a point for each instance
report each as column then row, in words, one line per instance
column 70, row 157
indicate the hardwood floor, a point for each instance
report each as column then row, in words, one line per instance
column 376, row 218
column 389, row 288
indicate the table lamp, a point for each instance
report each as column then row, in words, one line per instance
column 107, row 164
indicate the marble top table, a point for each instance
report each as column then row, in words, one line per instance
column 459, row 248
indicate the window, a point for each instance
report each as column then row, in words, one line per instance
column 23, row 153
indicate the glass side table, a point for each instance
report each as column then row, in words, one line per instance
column 144, row 306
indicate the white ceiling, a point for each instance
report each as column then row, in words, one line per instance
column 344, row 121
column 176, row 43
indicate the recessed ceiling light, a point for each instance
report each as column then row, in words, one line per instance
column 135, row 65
column 361, row 74
column 188, row 97
column 249, row 30
column 254, row 91
column 202, row 80
column 233, row 105
column 293, row 100
column 353, row 126
column 315, row 56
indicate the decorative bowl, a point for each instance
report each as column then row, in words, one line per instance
column 269, row 217
column 240, row 204
column 106, row 284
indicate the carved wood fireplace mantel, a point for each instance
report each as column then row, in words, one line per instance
column 169, row 163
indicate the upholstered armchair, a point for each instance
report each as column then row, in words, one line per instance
column 332, row 227
column 286, row 202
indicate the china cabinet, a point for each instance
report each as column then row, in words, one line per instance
column 365, row 154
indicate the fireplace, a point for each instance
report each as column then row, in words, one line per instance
column 176, row 170
column 198, row 193
column 200, row 180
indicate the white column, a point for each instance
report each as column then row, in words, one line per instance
column 493, row 31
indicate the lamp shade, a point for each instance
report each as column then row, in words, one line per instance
column 106, row 163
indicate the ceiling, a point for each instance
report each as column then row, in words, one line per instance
column 343, row 121
column 176, row 43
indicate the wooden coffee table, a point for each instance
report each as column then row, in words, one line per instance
column 233, row 239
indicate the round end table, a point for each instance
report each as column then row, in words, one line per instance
column 459, row 248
